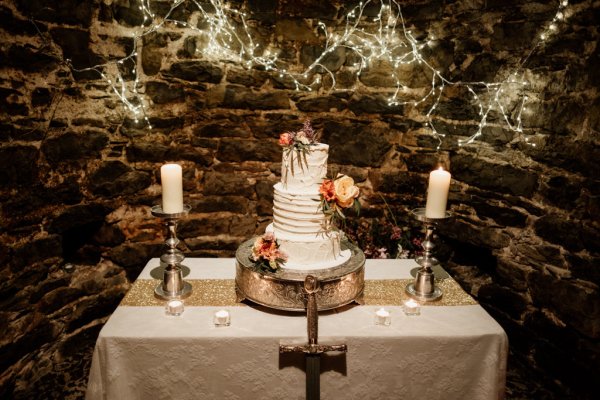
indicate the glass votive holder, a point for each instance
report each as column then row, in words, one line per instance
column 383, row 317
column 174, row 307
column 411, row 308
column 222, row 318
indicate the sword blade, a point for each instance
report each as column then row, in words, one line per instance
column 313, row 376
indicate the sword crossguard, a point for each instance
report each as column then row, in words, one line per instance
column 312, row 348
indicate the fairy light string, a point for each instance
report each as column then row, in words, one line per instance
column 384, row 38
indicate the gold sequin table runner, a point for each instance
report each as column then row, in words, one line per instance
column 221, row 293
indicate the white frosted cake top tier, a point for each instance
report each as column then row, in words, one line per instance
column 304, row 170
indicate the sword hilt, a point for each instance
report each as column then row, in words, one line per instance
column 311, row 287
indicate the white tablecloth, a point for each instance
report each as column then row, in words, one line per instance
column 448, row 352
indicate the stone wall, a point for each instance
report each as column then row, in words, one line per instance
column 78, row 175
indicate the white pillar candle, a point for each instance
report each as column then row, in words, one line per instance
column 172, row 188
column 437, row 193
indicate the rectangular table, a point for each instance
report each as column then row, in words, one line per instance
column 448, row 352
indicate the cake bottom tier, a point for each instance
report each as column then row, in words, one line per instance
column 321, row 252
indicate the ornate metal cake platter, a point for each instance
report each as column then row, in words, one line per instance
column 283, row 289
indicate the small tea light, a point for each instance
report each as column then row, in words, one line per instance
column 411, row 307
column 174, row 307
column 382, row 317
column 222, row 318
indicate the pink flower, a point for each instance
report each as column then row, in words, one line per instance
column 381, row 253
column 396, row 233
column 286, row 139
column 265, row 248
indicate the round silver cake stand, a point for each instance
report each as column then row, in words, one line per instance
column 283, row 289
column 173, row 286
column 423, row 288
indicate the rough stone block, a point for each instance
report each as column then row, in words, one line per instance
column 30, row 59
column 36, row 333
column 241, row 97
column 17, row 166
column 295, row 29
column 75, row 46
column 247, row 78
column 202, row 157
column 161, row 93
column 571, row 234
column 239, row 150
column 397, row 182
column 220, row 184
column 358, row 145
column 74, row 146
column 222, row 129
column 72, row 12
column 109, row 235
column 492, row 176
column 37, row 250
column 322, row 10
column 585, row 267
column 196, row 71
column 147, row 151
column 17, row 26
column 320, row 104
column 512, row 274
column 576, row 303
column 209, row 204
column 113, row 179
column 378, row 74
column 203, row 226
column 275, row 124
column 58, row 298
column 499, row 213
column 503, row 298
column 78, row 216
column 134, row 256
column 28, row 133
column 372, row 104
column 484, row 236
column 263, row 10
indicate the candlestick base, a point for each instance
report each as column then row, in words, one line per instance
column 173, row 286
column 185, row 292
column 424, row 289
column 433, row 295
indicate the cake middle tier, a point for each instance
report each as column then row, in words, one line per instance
column 298, row 214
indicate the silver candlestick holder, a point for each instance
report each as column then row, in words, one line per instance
column 424, row 288
column 173, row 285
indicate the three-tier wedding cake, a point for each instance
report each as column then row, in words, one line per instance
column 299, row 224
column 304, row 238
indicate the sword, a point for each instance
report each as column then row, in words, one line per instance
column 312, row 349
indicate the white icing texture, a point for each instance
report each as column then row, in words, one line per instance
column 304, row 170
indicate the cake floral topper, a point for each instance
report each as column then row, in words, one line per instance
column 336, row 195
column 266, row 253
column 299, row 142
